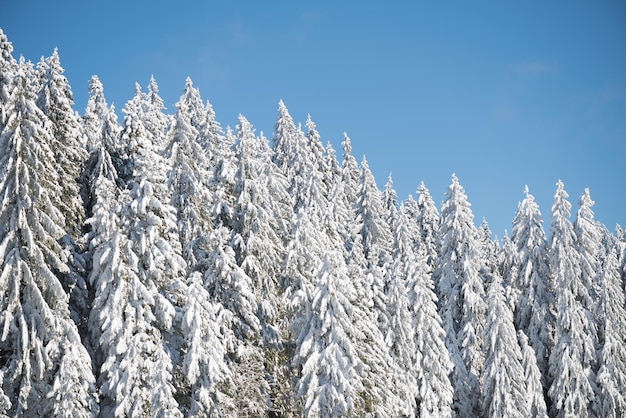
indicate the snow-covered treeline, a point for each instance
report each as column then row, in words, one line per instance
column 161, row 265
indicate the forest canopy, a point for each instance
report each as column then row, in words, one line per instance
column 162, row 265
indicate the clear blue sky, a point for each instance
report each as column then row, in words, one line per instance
column 501, row 93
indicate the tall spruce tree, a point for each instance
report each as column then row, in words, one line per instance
column 42, row 353
column 503, row 381
column 329, row 383
column 188, row 180
column 258, row 234
column 350, row 170
column 400, row 335
column 204, row 363
column 152, row 115
column 8, row 70
column 462, row 297
column 573, row 358
column 55, row 99
column 611, row 376
column 531, row 291
column 434, row 366
column 590, row 246
column 428, row 222
column 533, row 380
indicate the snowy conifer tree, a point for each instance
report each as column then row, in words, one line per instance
column 573, row 357
column 329, row 383
column 132, row 310
column 204, row 364
column 367, row 267
column 400, row 335
column 40, row 345
column 284, row 141
column 390, row 202
column 427, row 222
column 590, row 247
column 188, row 181
column 258, row 234
column 503, row 379
column 152, row 221
column 532, row 295
column 56, row 101
column 532, row 376
column 462, row 297
column 8, row 70
column 410, row 212
column 152, row 116
column 99, row 120
column 350, row 170
column 611, row 376
column 230, row 287
column 376, row 237
column 434, row 366
column 136, row 371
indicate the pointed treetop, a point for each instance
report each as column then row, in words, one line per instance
column 6, row 48
column 346, row 144
column 585, row 199
column 561, row 206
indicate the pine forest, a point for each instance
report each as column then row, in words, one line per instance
column 161, row 265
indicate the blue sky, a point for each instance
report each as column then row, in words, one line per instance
column 501, row 94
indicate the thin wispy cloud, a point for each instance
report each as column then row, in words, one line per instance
column 535, row 68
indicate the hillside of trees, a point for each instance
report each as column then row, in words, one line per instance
column 164, row 266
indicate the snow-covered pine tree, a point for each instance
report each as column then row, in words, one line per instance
column 573, row 357
column 100, row 121
column 611, row 378
column 152, row 229
column 503, row 380
column 135, row 369
column 55, row 99
column 367, row 268
column 188, row 180
column 261, row 222
column 589, row 237
column 410, row 211
column 284, row 141
column 319, row 159
column 203, row 364
column 41, row 350
column 230, row 286
column 8, row 70
column 329, row 382
column 462, row 297
column 531, row 291
column 428, row 223
column 434, row 366
column 132, row 313
column 152, row 116
column 350, row 170
column 400, row 334
column 258, row 235
column 532, row 377
column 210, row 134
column 490, row 250
column 102, row 135
column 390, row 203
column 191, row 107
column 376, row 237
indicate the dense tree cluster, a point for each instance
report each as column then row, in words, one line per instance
column 160, row 265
